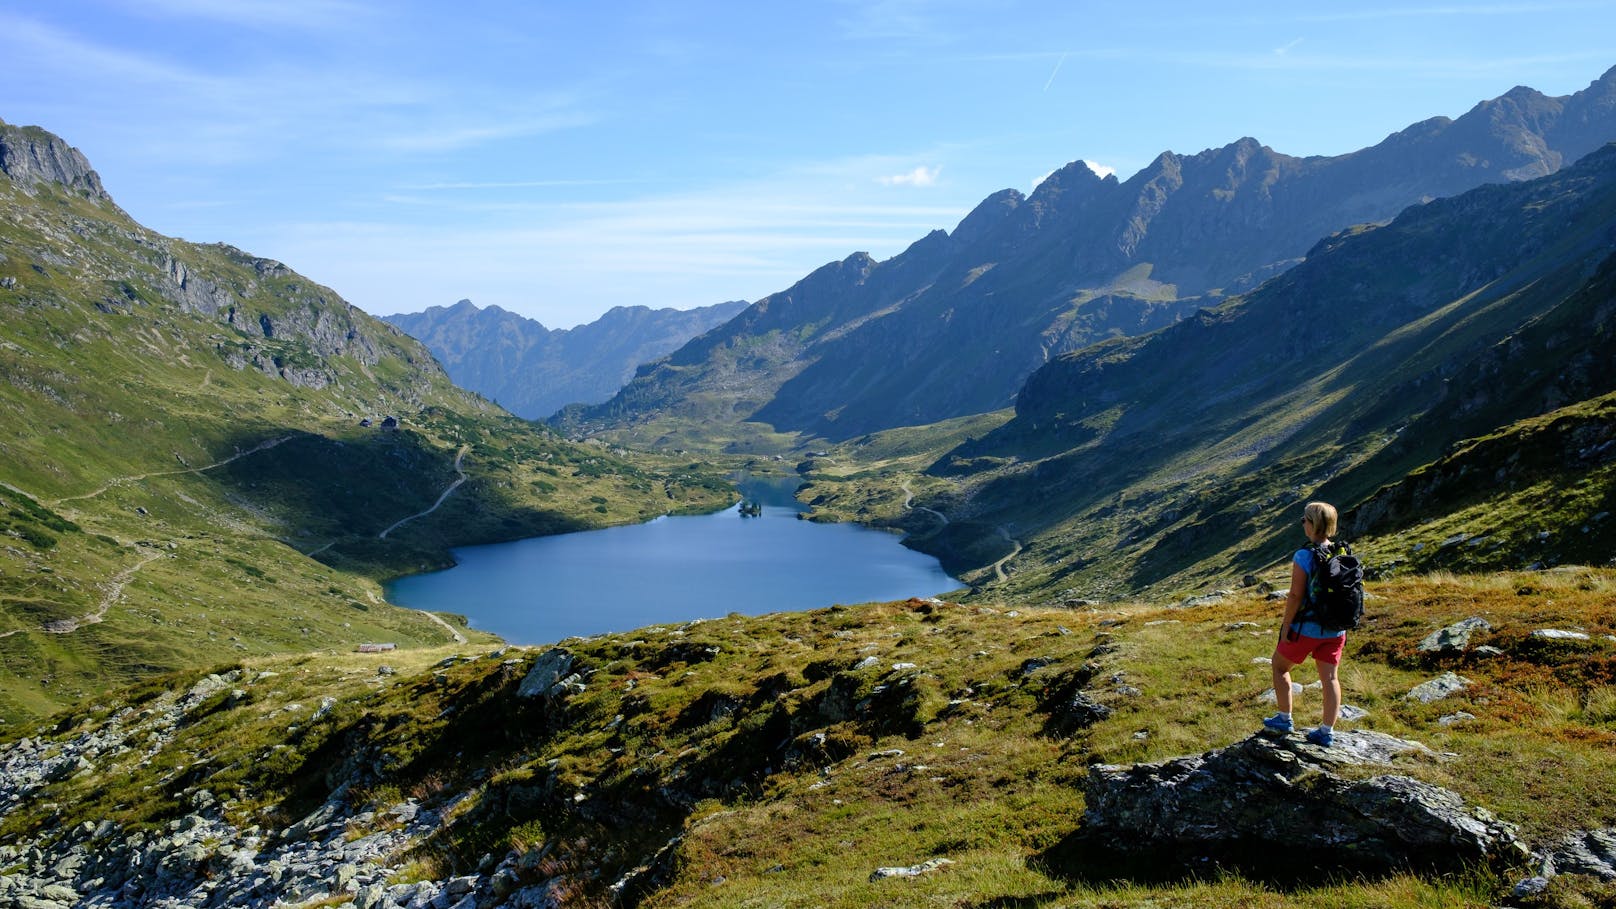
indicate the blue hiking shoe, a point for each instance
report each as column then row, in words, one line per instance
column 1277, row 723
column 1321, row 737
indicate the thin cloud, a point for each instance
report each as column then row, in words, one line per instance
column 920, row 176
column 298, row 15
column 1100, row 170
column 1286, row 48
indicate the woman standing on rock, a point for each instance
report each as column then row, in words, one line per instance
column 1301, row 636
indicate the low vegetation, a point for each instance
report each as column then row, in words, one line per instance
column 779, row 760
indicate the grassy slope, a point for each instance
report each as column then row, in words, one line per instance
column 161, row 469
column 778, row 763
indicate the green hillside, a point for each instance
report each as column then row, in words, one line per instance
column 185, row 473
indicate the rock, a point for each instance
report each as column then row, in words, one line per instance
column 1487, row 650
column 1555, row 634
column 910, row 870
column 1079, row 711
column 549, row 676
column 1438, row 688
column 1532, row 886
column 866, row 663
column 1350, row 713
column 1590, row 852
column 1455, row 637
column 1452, row 718
column 1270, row 800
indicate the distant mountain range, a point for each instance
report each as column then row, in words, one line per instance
column 534, row 371
column 957, row 322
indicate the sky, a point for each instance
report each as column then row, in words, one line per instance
column 560, row 158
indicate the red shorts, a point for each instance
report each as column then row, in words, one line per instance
column 1323, row 650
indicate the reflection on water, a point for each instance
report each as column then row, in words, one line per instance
column 673, row 569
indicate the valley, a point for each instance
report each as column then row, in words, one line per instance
column 1101, row 405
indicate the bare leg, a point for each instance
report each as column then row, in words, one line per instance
column 1332, row 692
column 1282, row 682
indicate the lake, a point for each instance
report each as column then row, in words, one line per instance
column 673, row 569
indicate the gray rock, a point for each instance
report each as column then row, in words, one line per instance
column 549, row 675
column 1555, row 634
column 1452, row 718
column 910, row 870
column 1266, row 800
column 1455, row 637
column 1584, row 852
column 1350, row 713
column 1438, row 688
column 1532, row 886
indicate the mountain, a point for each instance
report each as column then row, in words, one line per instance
column 534, row 371
column 205, row 455
column 1469, row 331
column 954, row 324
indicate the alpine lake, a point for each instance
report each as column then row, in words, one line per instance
column 673, row 569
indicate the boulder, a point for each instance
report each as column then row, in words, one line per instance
column 1270, row 800
column 550, row 677
column 1455, row 637
column 1591, row 852
column 1438, row 688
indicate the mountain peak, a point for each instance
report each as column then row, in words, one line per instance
column 30, row 156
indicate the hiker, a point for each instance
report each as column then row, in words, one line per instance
column 1301, row 636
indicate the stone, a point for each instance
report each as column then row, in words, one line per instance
column 1455, row 637
column 1076, row 712
column 1555, row 634
column 1266, row 802
column 910, row 870
column 1452, row 718
column 549, row 675
column 1438, row 688
column 1591, row 852
column 1350, row 713
column 867, row 663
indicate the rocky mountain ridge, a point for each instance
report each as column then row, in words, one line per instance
column 954, row 324
column 534, row 371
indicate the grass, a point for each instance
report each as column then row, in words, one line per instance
column 784, row 775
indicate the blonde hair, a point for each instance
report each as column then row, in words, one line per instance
column 1322, row 516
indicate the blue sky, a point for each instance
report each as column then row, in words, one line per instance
column 557, row 159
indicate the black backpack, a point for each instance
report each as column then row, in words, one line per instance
column 1335, row 588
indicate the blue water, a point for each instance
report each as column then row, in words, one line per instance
column 672, row 569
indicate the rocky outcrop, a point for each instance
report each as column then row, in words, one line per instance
column 30, row 156
column 1264, row 801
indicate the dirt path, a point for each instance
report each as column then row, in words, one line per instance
column 452, row 487
column 908, row 503
column 458, row 637
column 114, row 590
column 120, row 481
column 998, row 567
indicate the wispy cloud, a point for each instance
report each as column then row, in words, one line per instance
column 920, row 176
column 440, row 139
column 1286, row 48
column 298, row 15
column 1100, row 170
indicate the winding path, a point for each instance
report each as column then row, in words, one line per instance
column 262, row 446
column 452, row 487
column 114, row 591
column 908, row 500
column 998, row 567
